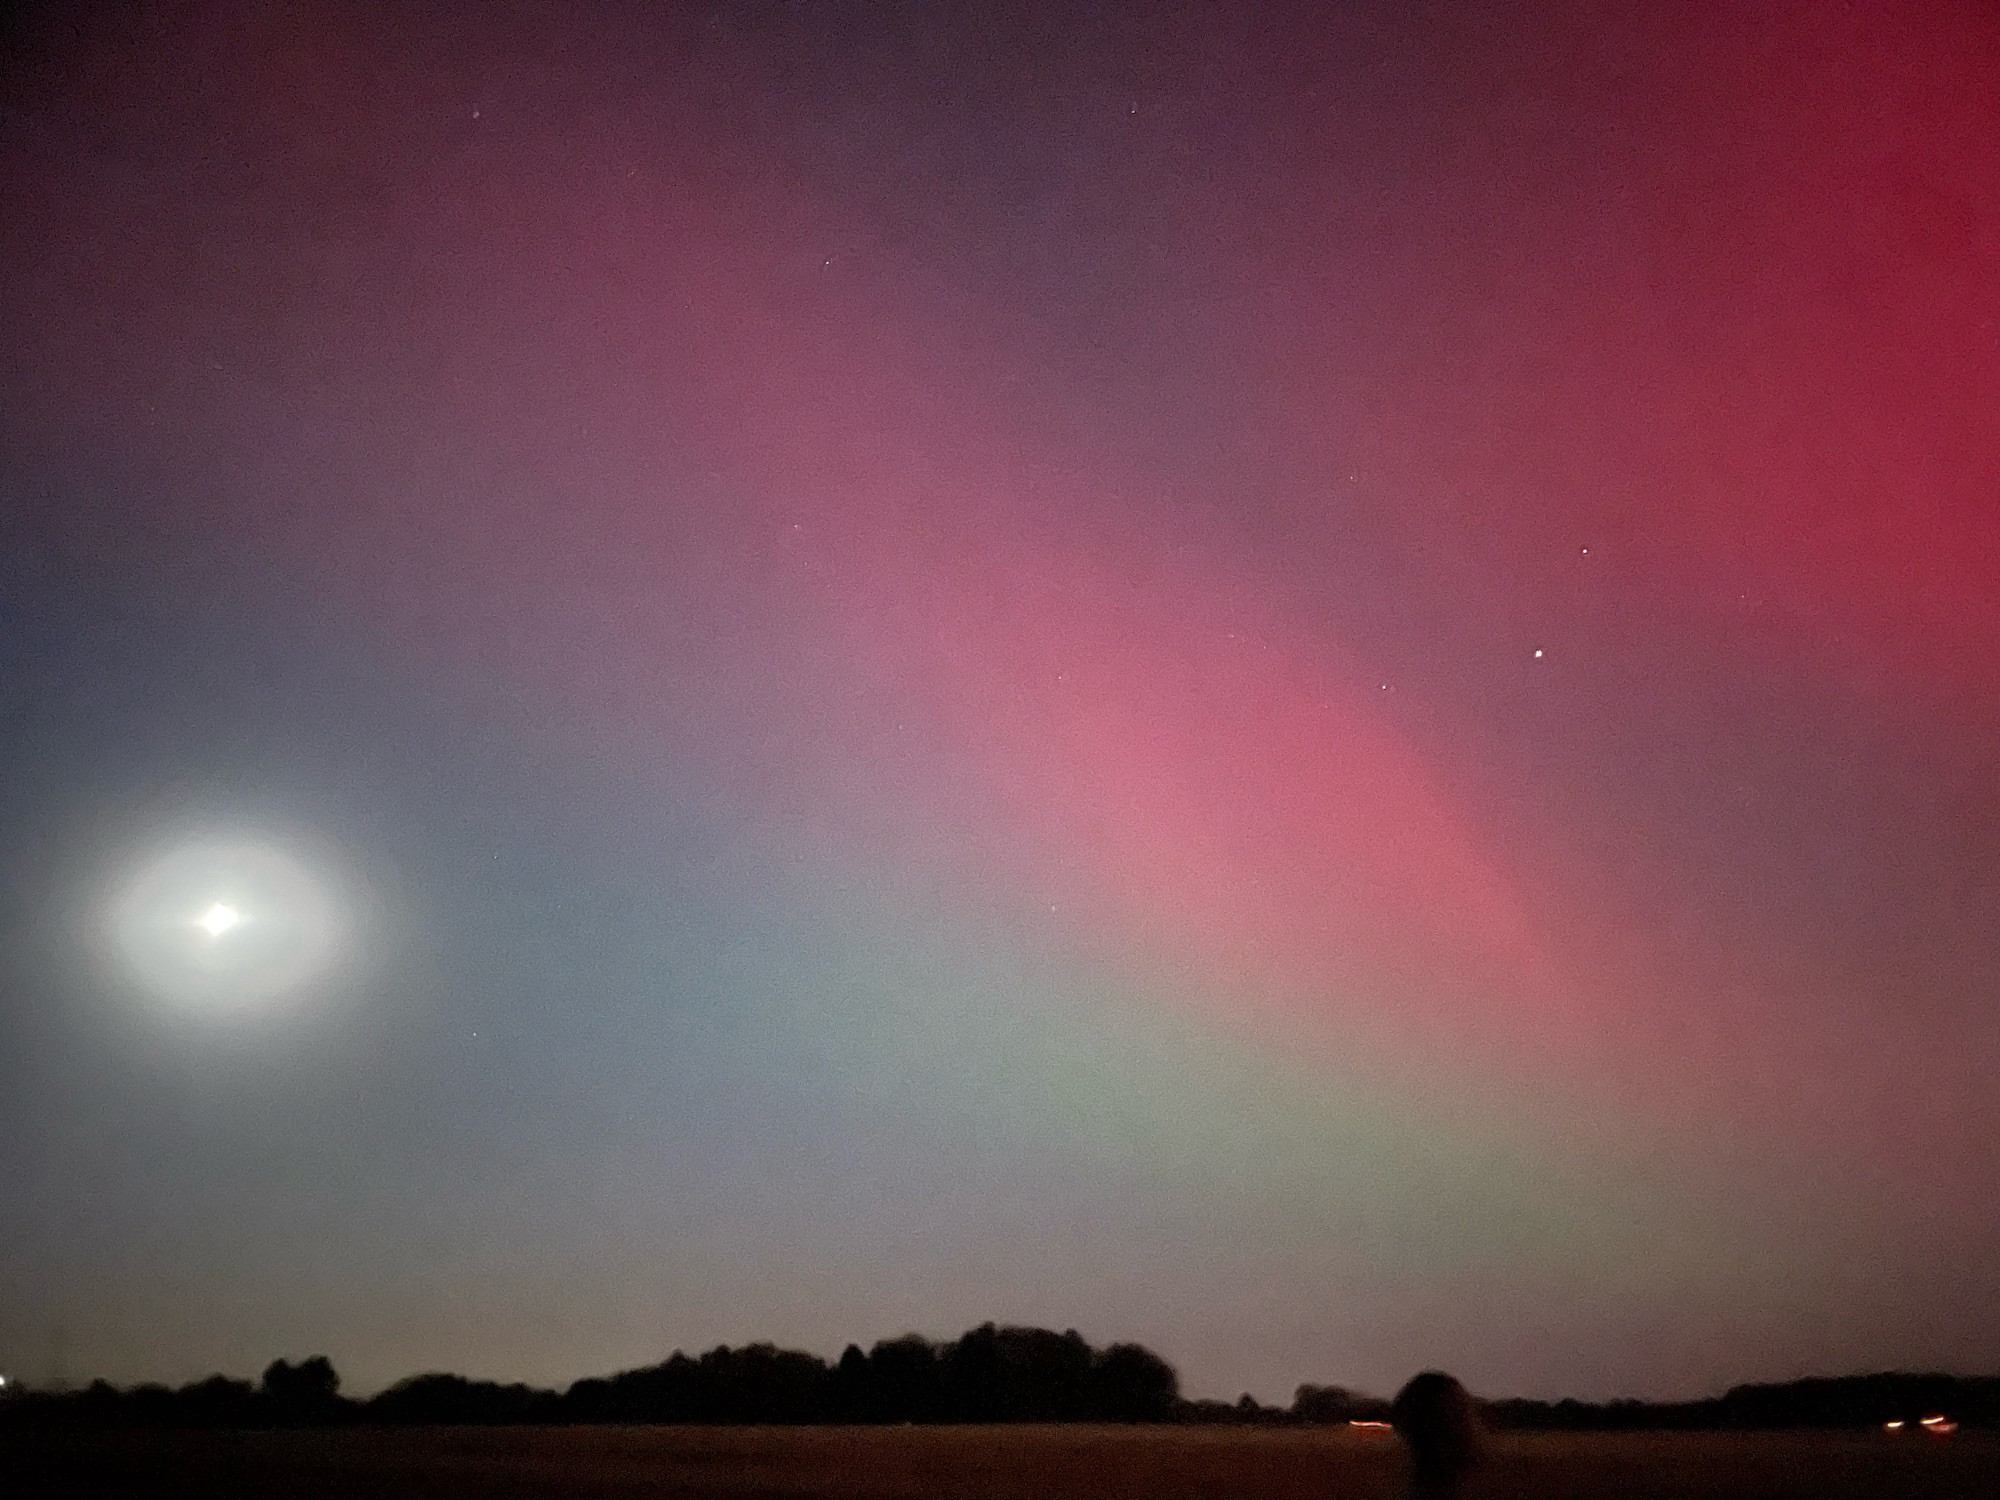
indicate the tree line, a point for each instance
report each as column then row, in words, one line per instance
column 986, row 1375
column 989, row 1374
column 1841, row 1401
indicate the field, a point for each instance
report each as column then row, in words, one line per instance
column 974, row 1463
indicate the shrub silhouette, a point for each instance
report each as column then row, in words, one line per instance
column 1440, row 1424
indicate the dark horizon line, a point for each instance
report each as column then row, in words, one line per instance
column 992, row 1374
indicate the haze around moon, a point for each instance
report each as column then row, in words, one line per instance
column 222, row 925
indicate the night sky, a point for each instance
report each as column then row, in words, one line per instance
column 1316, row 685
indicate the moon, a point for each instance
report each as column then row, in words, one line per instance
column 222, row 925
column 218, row 919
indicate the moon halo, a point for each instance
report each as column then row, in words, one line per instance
column 222, row 924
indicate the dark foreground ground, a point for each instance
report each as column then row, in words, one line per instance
column 973, row 1463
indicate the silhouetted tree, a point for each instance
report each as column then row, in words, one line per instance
column 1860, row 1401
column 1018, row 1375
column 1439, row 1422
column 656, row 1393
column 440, row 1399
column 851, row 1397
column 308, row 1391
column 905, row 1381
column 760, row 1383
column 1330, row 1404
column 1249, row 1409
column 1130, row 1383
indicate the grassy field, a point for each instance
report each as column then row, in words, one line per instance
column 974, row 1463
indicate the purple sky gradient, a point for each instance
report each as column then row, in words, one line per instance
column 1321, row 691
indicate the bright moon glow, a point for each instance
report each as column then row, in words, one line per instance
column 221, row 925
column 218, row 919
